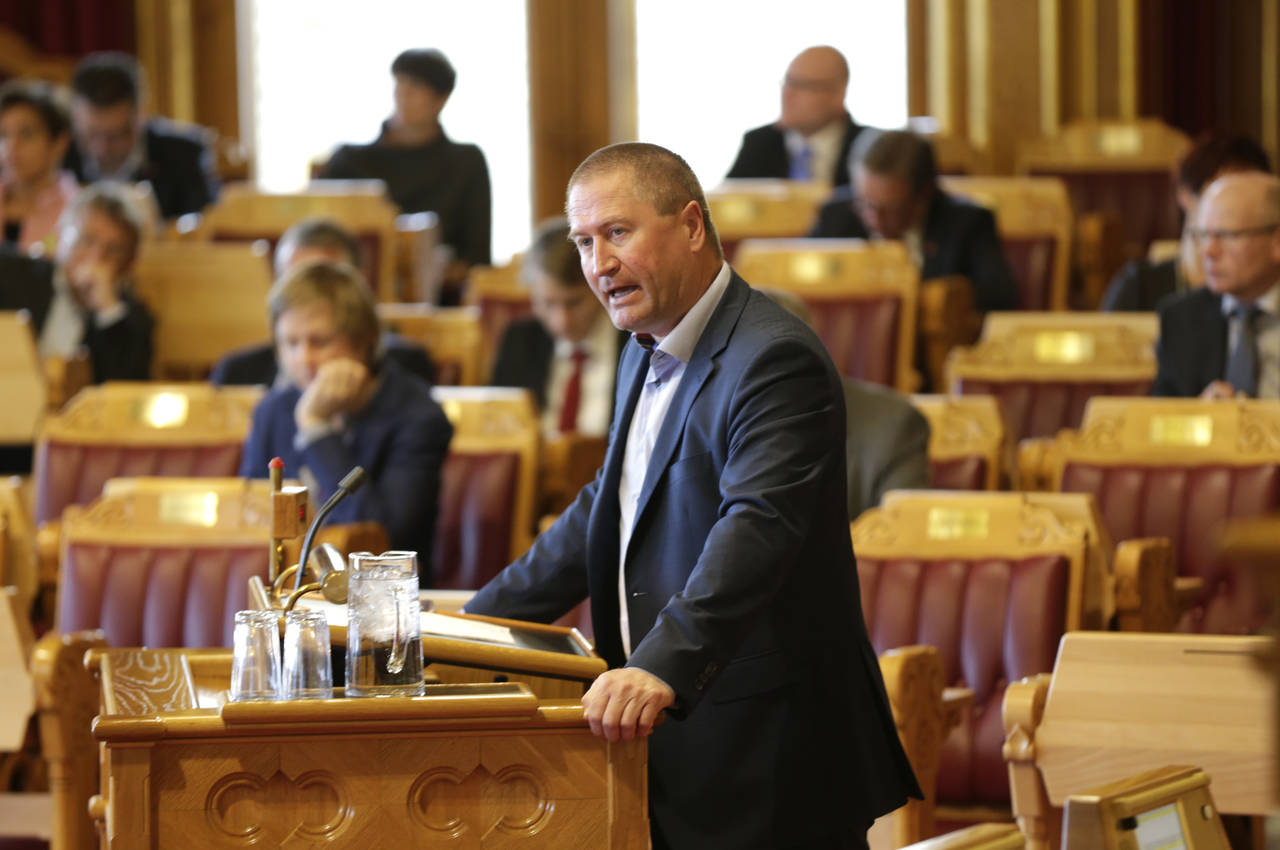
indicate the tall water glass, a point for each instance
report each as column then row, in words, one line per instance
column 384, row 638
column 308, row 670
column 255, row 663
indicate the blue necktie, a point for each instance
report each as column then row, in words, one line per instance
column 1242, row 364
column 802, row 164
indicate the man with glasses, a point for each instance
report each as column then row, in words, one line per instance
column 1223, row 340
column 895, row 195
column 811, row 138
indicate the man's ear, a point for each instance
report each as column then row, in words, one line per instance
column 691, row 220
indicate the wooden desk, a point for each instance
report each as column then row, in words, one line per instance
column 1120, row 704
column 466, row 765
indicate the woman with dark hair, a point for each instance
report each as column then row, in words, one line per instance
column 34, row 134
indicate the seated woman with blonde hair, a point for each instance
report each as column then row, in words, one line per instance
column 34, row 190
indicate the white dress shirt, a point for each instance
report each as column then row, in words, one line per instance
column 824, row 149
column 666, row 368
column 595, row 397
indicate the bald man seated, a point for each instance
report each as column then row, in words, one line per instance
column 1223, row 340
column 811, row 138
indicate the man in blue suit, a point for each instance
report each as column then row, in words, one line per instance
column 713, row 544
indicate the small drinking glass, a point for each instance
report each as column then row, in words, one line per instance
column 255, row 665
column 308, row 670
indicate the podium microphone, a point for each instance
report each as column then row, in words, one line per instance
column 349, row 484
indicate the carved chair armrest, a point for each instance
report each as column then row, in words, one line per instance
column 956, row 703
column 914, row 680
column 1099, row 252
column 66, row 376
column 983, row 836
column 48, row 542
column 1035, row 464
column 1146, row 597
column 1186, row 590
column 947, row 319
column 1023, row 710
column 418, row 265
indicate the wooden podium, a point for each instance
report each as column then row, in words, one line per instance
column 476, row 766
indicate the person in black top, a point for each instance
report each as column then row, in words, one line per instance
column 114, row 140
column 308, row 241
column 1141, row 285
column 426, row 171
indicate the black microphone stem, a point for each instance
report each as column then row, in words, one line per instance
column 348, row 485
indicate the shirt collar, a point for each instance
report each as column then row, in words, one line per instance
column 1268, row 302
column 685, row 335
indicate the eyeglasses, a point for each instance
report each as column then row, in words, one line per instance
column 807, row 84
column 1203, row 235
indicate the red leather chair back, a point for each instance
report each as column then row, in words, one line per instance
column 157, row 596
column 1031, row 259
column 1143, row 200
column 993, row 621
column 73, row 473
column 473, row 532
column 1042, row 408
column 1187, row 505
column 962, row 473
column 861, row 334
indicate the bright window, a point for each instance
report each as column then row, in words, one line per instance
column 708, row 71
column 322, row 77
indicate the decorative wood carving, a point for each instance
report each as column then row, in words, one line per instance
column 121, row 414
column 1023, row 708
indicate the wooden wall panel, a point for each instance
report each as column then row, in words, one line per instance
column 581, row 77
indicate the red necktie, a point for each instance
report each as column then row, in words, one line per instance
column 572, row 394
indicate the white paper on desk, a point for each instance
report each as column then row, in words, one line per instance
column 430, row 623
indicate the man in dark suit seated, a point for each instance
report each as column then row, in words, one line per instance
column 567, row 353
column 811, row 138
column 90, row 304
column 714, row 544
column 1141, row 285
column 115, row 141
column 309, row 240
column 1223, row 340
column 423, row 168
column 895, row 195
column 342, row 405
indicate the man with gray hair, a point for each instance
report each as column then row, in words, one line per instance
column 895, row 195
column 1222, row 340
column 714, row 545
column 811, row 138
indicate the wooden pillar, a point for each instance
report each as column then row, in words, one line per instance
column 581, row 88
column 1004, row 77
column 1269, row 82
column 167, row 54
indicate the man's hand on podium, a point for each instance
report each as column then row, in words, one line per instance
column 626, row 703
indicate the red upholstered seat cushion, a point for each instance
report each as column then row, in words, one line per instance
column 157, row 596
column 861, row 334
column 73, row 473
column 473, row 534
column 961, row 473
column 1031, row 260
column 1042, row 408
column 1188, row 505
column 993, row 621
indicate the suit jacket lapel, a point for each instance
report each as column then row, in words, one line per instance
column 602, row 531
column 713, row 340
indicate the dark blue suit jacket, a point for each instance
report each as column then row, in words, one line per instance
column 1191, row 352
column 742, row 592
column 959, row 238
column 764, row 154
column 401, row 438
